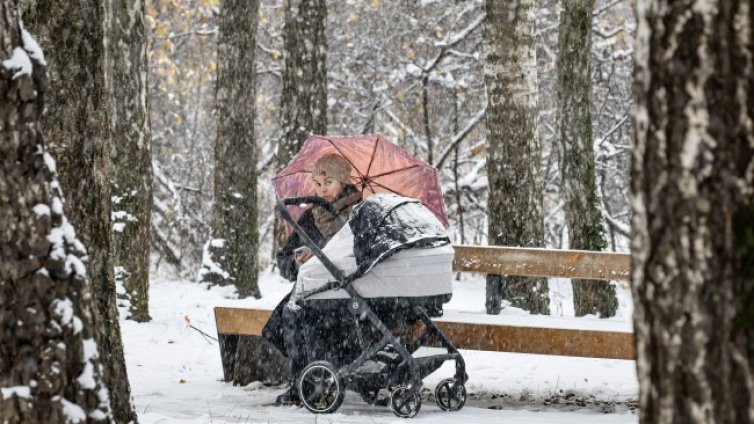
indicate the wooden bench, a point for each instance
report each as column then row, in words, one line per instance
column 247, row 357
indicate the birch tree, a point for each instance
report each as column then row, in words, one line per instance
column 234, row 215
column 78, row 126
column 131, row 153
column 514, row 204
column 578, row 180
column 692, row 194
column 50, row 369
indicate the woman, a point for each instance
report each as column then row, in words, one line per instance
column 303, row 334
column 331, row 177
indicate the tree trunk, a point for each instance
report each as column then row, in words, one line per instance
column 78, row 129
column 514, row 204
column 692, row 194
column 304, row 96
column 131, row 153
column 234, row 214
column 49, row 367
column 578, row 184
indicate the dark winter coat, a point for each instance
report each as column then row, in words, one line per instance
column 286, row 260
column 310, row 322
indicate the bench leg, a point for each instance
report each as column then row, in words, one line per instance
column 256, row 359
column 494, row 289
column 228, row 345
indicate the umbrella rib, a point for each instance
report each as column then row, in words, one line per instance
column 386, row 188
column 394, row 171
column 371, row 159
column 396, row 192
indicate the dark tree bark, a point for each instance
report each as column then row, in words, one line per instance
column 234, row 214
column 578, row 180
column 304, row 96
column 131, row 152
column 514, row 203
column 78, row 126
column 692, row 192
column 50, row 371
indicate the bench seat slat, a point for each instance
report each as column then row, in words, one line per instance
column 473, row 336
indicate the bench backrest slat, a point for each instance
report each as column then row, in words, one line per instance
column 532, row 262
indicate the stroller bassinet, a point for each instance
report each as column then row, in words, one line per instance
column 390, row 265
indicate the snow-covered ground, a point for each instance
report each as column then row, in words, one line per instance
column 176, row 374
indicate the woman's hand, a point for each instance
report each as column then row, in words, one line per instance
column 303, row 256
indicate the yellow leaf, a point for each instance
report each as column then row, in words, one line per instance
column 161, row 30
column 212, row 66
column 375, row 4
column 179, row 121
column 275, row 54
column 211, row 3
column 410, row 54
column 352, row 18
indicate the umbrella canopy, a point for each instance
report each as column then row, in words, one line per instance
column 377, row 166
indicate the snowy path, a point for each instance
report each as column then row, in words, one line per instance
column 175, row 375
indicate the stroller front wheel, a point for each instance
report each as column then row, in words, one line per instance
column 450, row 395
column 320, row 388
column 405, row 402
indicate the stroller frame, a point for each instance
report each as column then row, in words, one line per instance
column 329, row 383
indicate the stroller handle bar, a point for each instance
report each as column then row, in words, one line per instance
column 314, row 200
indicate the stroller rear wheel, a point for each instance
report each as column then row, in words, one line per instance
column 405, row 402
column 450, row 395
column 320, row 388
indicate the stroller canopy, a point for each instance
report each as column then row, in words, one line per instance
column 384, row 224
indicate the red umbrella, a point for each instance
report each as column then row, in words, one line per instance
column 377, row 166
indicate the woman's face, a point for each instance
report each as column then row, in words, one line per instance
column 327, row 187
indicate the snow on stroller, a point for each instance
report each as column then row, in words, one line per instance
column 391, row 264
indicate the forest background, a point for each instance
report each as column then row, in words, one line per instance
column 411, row 70
column 160, row 123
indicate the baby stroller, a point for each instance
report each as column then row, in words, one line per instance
column 391, row 265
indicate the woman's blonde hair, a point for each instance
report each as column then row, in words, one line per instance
column 333, row 166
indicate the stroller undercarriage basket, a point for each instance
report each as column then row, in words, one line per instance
column 390, row 267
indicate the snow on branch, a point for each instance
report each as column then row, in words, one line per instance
column 460, row 137
column 405, row 127
column 453, row 39
column 604, row 8
column 616, row 225
column 450, row 41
